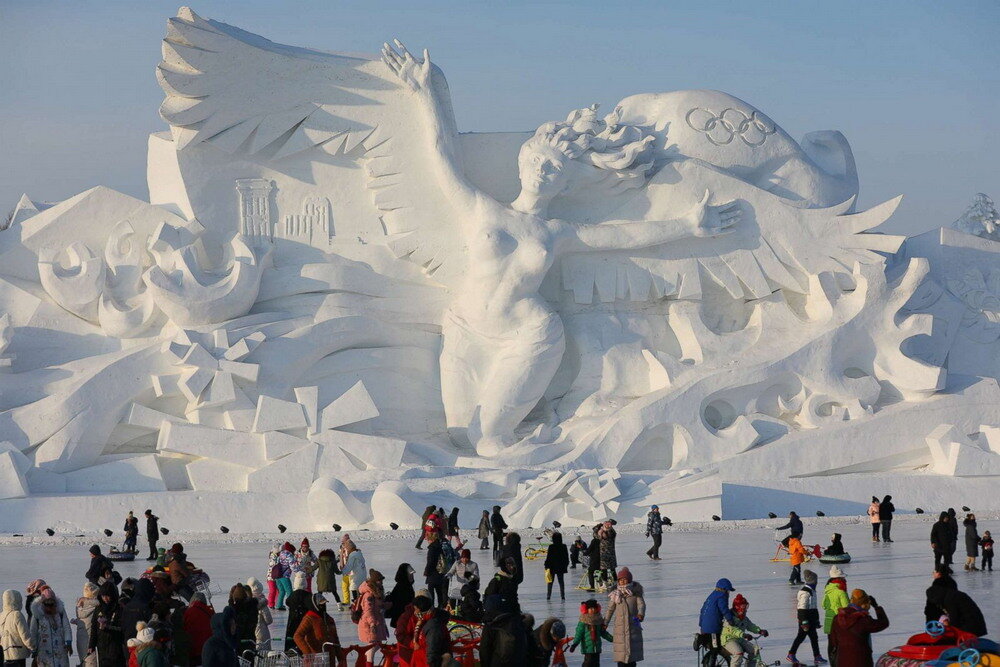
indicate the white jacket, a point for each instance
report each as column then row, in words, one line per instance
column 806, row 598
column 50, row 635
column 461, row 574
column 14, row 637
column 356, row 568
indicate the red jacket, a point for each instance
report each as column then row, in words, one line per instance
column 198, row 626
column 851, row 635
column 405, row 627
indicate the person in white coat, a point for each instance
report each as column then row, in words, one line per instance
column 355, row 568
column 86, row 605
column 264, row 619
column 463, row 571
column 50, row 631
column 14, row 636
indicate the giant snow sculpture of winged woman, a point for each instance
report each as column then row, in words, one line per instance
column 693, row 210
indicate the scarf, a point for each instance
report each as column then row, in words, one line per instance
column 621, row 594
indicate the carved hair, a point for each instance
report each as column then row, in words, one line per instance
column 623, row 153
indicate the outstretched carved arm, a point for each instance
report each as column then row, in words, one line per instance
column 442, row 151
column 703, row 220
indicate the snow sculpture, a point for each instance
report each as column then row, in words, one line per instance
column 335, row 296
column 980, row 219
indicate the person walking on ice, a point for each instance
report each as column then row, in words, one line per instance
column 808, row 616
column 654, row 529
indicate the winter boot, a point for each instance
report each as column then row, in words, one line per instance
column 792, row 659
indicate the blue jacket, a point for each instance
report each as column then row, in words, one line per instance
column 715, row 609
column 654, row 524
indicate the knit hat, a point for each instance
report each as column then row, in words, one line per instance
column 95, row 550
column 145, row 635
column 809, row 576
column 859, row 597
column 305, row 542
column 836, row 572
column 287, row 547
column 740, row 601
column 558, row 629
column 625, row 574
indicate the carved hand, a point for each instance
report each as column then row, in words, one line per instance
column 708, row 220
column 416, row 75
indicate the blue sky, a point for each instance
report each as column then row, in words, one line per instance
column 915, row 86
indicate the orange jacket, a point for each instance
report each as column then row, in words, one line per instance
column 796, row 552
column 314, row 631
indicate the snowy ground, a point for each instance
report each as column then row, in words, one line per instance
column 897, row 574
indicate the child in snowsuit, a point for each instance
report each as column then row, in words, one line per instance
column 740, row 649
column 987, row 544
column 589, row 632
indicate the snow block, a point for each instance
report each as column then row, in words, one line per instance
column 274, row 414
column 278, row 445
column 12, row 481
column 396, row 502
column 331, row 502
column 373, row 451
column 294, row 471
column 134, row 474
column 308, row 397
column 212, row 475
column 240, row 449
column 353, row 406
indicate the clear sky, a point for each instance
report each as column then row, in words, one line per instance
column 914, row 85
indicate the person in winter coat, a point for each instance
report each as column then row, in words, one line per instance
column 285, row 565
column 504, row 640
column 153, row 653
column 463, row 571
column 431, row 639
column 741, row 650
column 593, row 559
column 262, row 633
column 86, row 605
column 218, row 650
column 435, row 568
column 371, row 602
column 546, row 640
column 654, row 529
column 961, row 610
column 406, row 625
column 590, row 631
column 575, row 550
column 197, row 623
column 942, row 579
column 317, row 629
column 714, row 610
column 851, row 636
column 874, row 518
column 401, row 595
column 885, row 510
column 609, row 558
column 99, row 564
column 34, row 591
column 243, row 609
column 50, row 631
column 306, row 562
column 152, row 533
column 299, row 603
column 14, row 636
column 106, row 641
column 497, row 527
column 834, row 598
column 139, row 608
column 971, row 542
column 273, row 574
column 953, row 541
column 940, row 538
column 625, row 614
column 452, row 527
column 355, row 570
column 131, row 529
column 483, row 531
column 423, row 522
column 836, row 547
column 794, row 525
column 808, row 616
column 327, row 570
column 512, row 550
column 557, row 564
column 503, row 586
column 987, row 544
column 796, row 556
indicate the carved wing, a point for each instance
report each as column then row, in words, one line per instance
column 247, row 95
column 777, row 246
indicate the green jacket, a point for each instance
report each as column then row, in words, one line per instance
column 152, row 656
column 834, row 599
column 590, row 642
column 737, row 629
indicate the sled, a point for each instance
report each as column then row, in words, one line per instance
column 941, row 646
column 120, row 556
column 833, row 560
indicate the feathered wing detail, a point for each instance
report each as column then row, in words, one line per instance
column 242, row 93
column 777, row 246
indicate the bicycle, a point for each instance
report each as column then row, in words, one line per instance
column 540, row 548
column 717, row 656
column 464, row 630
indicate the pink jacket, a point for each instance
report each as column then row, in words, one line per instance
column 372, row 626
column 873, row 512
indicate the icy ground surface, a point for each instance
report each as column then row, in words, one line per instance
column 897, row 574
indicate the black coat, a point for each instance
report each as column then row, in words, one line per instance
column 971, row 538
column 953, row 527
column 932, row 611
column 106, row 636
column 138, row 608
column 594, row 554
column 885, row 510
column 512, row 549
column 298, row 603
column 98, row 566
column 246, row 612
column 401, row 595
column 557, row 558
column 795, row 525
column 498, row 524
column 436, row 637
column 962, row 610
column 153, row 527
column 218, row 652
column 940, row 535
column 504, row 641
column 505, row 587
column 434, row 554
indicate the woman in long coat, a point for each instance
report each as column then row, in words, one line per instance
column 626, row 611
column 971, row 542
column 50, row 631
column 371, row 599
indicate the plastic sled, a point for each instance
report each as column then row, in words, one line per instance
column 832, row 560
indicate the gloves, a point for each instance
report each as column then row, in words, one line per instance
column 872, row 600
column 764, row 633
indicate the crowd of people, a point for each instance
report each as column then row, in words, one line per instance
column 167, row 616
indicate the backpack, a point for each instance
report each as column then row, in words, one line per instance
column 356, row 611
column 277, row 572
column 448, row 557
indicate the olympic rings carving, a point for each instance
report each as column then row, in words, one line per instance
column 722, row 128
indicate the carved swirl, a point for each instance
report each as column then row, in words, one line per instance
column 730, row 123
